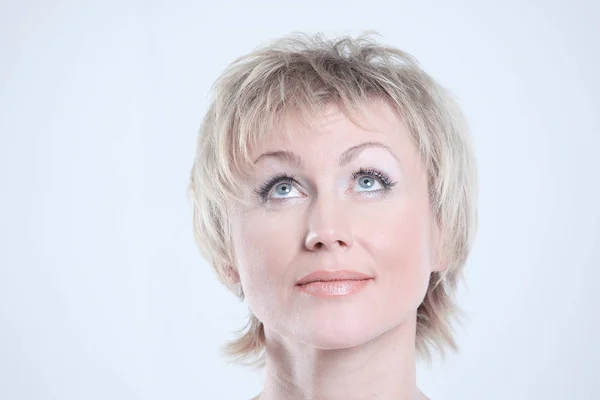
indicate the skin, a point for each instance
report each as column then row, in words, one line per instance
column 357, row 346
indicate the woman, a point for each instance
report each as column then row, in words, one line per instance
column 334, row 188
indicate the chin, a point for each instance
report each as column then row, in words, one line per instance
column 328, row 342
column 335, row 332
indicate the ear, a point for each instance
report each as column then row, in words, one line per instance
column 438, row 258
column 439, row 266
column 232, row 274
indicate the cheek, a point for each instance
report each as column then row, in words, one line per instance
column 260, row 259
column 402, row 251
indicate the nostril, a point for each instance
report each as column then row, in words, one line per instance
column 317, row 245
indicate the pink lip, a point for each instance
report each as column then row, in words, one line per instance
column 333, row 283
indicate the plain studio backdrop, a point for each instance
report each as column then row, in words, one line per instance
column 103, row 294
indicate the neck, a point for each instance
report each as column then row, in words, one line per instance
column 383, row 368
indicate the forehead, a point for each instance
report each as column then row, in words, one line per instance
column 332, row 127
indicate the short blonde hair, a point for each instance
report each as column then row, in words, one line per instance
column 302, row 74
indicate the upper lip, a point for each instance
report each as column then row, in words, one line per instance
column 327, row 276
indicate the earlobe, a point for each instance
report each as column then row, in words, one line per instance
column 437, row 262
column 232, row 274
column 440, row 266
column 440, row 263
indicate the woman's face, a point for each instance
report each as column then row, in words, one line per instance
column 342, row 203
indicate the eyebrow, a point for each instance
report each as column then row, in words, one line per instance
column 347, row 156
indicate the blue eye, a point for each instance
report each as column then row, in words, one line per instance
column 284, row 184
column 367, row 182
column 284, row 188
column 370, row 177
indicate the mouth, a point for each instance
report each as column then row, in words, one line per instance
column 333, row 283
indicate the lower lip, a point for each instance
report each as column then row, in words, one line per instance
column 334, row 288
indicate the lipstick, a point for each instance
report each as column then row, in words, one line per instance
column 333, row 283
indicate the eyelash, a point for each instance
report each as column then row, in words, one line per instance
column 383, row 178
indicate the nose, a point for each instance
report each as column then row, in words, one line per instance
column 328, row 226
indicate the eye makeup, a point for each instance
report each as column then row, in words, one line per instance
column 384, row 179
column 264, row 190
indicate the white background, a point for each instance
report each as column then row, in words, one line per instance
column 102, row 292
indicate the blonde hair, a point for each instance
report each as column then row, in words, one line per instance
column 302, row 74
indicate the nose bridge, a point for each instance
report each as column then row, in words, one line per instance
column 328, row 224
